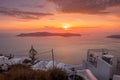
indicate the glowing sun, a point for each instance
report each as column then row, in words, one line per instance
column 66, row 26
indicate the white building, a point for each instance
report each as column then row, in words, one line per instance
column 103, row 66
column 3, row 60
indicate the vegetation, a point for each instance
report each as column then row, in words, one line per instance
column 23, row 72
column 10, row 56
column 57, row 74
column 32, row 54
column 26, row 61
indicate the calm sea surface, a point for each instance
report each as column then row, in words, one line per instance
column 71, row 50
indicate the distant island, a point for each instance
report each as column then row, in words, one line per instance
column 45, row 34
column 114, row 36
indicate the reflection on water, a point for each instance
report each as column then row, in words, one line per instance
column 71, row 50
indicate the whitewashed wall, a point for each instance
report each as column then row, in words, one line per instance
column 103, row 71
column 116, row 77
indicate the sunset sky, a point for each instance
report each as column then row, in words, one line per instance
column 59, row 14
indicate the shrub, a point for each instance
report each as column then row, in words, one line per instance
column 23, row 72
column 57, row 74
column 26, row 61
column 20, row 72
column 41, row 75
column 2, row 77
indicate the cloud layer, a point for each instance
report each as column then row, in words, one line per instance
column 22, row 14
column 86, row 6
column 29, row 9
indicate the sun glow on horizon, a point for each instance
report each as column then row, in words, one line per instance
column 66, row 26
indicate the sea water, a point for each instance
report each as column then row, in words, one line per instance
column 70, row 50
